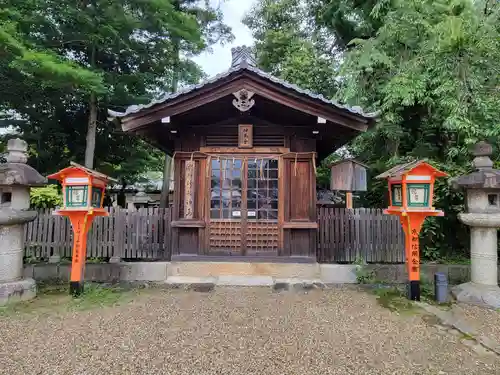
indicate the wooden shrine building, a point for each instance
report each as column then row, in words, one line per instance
column 245, row 146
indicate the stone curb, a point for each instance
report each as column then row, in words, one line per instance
column 449, row 319
column 294, row 284
column 159, row 271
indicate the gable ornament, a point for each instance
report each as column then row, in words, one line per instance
column 243, row 101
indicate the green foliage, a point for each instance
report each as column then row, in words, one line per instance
column 364, row 275
column 96, row 295
column 426, row 288
column 287, row 45
column 53, row 296
column 432, row 69
column 394, row 299
column 25, row 61
column 45, row 197
column 323, row 171
column 54, row 54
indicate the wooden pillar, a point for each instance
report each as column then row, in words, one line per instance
column 348, row 200
column 189, row 205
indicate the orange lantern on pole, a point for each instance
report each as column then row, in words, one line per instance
column 83, row 195
column 411, row 193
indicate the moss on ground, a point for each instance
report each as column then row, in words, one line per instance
column 394, row 299
column 54, row 296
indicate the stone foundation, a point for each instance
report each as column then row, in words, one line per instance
column 478, row 294
column 15, row 291
column 160, row 271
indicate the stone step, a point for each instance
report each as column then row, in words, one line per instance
column 239, row 273
column 210, row 282
column 266, row 271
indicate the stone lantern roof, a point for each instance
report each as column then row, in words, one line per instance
column 141, row 196
column 484, row 176
column 15, row 171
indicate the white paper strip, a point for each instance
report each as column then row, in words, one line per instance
column 77, row 180
column 418, row 178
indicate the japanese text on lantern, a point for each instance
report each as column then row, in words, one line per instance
column 414, row 253
column 78, row 243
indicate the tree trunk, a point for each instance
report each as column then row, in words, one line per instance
column 165, row 190
column 92, row 123
column 121, row 199
column 91, row 132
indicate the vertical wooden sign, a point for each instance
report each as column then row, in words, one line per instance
column 81, row 222
column 189, row 189
column 414, row 256
column 245, row 136
column 414, row 264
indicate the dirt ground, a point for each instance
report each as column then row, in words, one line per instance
column 229, row 331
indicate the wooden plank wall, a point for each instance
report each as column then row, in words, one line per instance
column 141, row 234
column 345, row 236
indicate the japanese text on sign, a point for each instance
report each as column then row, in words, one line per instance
column 414, row 261
column 78, row 244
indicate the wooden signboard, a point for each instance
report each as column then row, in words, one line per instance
column 245, row 136
column 189, row 189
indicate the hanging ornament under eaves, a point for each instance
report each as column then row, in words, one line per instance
column 243, row 100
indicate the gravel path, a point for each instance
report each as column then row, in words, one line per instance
column 235, row 331
column 484, row 321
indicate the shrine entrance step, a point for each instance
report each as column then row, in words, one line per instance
column 306, row 271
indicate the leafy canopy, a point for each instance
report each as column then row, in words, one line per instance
column 431, row 67
column 54, row 54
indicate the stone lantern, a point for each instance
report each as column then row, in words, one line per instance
column 16, row 177
column 482, row 189
column 140, row 199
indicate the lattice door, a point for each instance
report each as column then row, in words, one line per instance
column 244, row 204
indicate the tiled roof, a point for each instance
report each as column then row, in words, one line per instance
column 399, row 169
column 242, row 61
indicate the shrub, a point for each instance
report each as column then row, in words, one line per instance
column 45, row 197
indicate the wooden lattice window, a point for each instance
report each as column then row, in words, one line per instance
column 226, row 188
column 262, row 189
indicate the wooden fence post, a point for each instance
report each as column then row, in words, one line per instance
column 117, row 217
column 55, row 257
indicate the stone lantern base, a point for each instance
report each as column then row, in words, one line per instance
column 16, row 178
column 15, row 291
column 478, row 294
column 13, row 287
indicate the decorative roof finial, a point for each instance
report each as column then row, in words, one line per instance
column 242, row 57
column 482, row 152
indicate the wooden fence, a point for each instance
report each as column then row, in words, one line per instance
column 142, row 234
column 343, row 235
column 361, row 233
